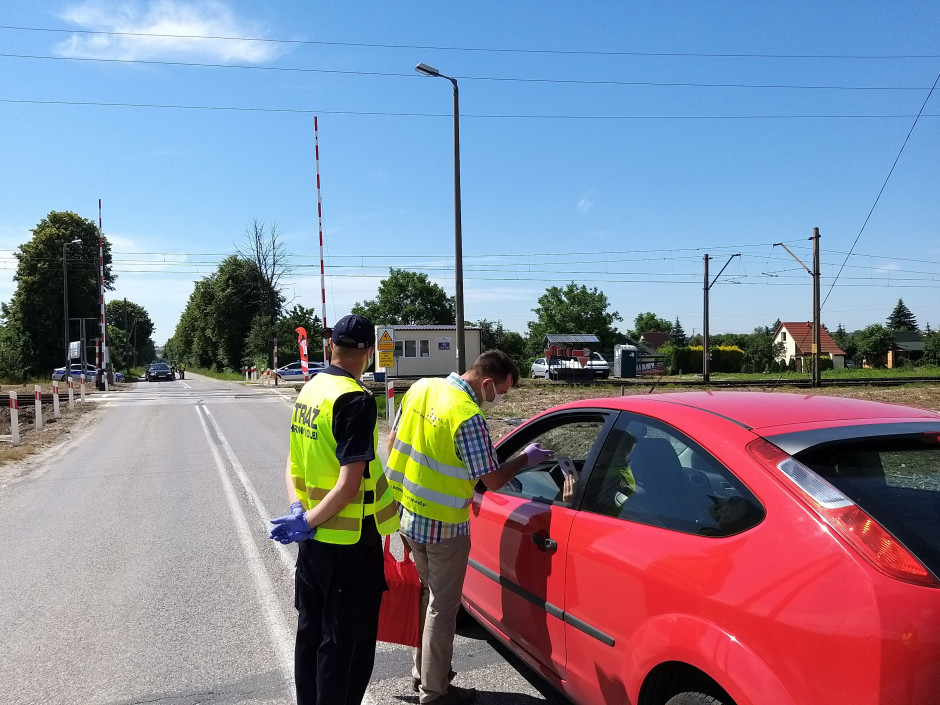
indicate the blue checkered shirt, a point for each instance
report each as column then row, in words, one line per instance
column 474, row 447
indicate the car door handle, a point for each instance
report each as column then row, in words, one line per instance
column 545, row 543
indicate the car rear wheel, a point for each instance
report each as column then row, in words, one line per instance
column 694, row 699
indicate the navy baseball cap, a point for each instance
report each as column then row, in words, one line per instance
column 353, row 331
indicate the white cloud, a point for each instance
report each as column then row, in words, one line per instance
column 585, row 204
column 195, row 21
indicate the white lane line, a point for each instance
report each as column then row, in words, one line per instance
column 281, row 635
column 242, row 476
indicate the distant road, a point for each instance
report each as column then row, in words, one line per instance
column 135, row 565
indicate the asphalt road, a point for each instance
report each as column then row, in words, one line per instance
column 135, row 565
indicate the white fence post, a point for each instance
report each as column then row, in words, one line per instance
column 390, row 400
column 71, row 394
column 82, row 388
column 37, row 395
column 55, row 399
column 14, row 419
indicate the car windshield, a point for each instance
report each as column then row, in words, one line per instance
column 159, row 367
column 895, row 480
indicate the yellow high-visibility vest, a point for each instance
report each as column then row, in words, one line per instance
column 426, row 475
column 315, row 468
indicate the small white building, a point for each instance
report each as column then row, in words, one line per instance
column 424, row 351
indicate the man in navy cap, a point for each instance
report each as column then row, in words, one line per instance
column 340, row 505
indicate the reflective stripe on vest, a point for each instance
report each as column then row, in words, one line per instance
column 315, row 468
column 426, row 475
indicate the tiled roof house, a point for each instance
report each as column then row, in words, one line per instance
column 797, row 338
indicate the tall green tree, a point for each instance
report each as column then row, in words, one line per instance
column 873, row 343
column 129, row 334
column 901, row 318
column 573, row 309
column 846, row 342
column 37, row 310
column 677, row 335
column 408, row 298
column 649, row 323
column 493, row 336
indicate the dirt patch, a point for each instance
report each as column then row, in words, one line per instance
column 31, row 441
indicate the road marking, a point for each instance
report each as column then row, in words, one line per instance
column 242, row 476
column 282, row 636
column 185, row 386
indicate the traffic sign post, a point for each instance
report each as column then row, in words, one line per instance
column 385, row 344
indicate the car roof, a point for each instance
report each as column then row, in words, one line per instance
column 767, row 413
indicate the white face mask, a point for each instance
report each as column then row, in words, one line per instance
column 485, row 403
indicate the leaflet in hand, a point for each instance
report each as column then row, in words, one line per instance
column 567, row 465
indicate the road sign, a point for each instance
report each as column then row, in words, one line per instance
column 386, row 358
column 386, row 340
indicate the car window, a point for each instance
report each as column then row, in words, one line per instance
column 650, row 473
column 895, row 480
column 572, row 438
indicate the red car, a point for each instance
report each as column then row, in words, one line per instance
column 729, row 548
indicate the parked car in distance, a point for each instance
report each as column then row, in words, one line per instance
column 293, row 372
column 159, row 370
column 718, row 548
column 596, row 363
column 91, row 372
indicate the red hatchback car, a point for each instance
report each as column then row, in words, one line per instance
column 729, row 548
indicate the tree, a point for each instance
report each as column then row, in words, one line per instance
column 574, row 309
column 494, row 337
column 874, row 342
column 36, row 310
column 265, row 250
column 846, row 342
column 214, row 326
column 408, row 298
column 259, row 344
column 649, row 323
column 901, row 318
column 677, row 335
column 931, row 348
column 129, row 331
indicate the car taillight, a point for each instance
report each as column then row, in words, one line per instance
column 875, row 543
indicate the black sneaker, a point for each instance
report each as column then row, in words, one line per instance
column 416, row 682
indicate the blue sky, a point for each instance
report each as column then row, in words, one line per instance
column 612, row 144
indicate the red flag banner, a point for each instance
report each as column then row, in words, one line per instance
column 302, row 344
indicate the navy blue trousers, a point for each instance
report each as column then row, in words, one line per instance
column 338, row 590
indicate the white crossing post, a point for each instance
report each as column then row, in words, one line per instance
column 37, row 395
column 55, row 399
column 390, row 400
column 82, row 388
column 71, row 394
column 14, row 419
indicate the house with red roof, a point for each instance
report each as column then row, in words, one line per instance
column 797, row 339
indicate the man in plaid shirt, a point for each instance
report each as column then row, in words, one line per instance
column 439, row 448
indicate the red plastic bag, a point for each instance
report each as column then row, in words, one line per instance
column 399, row 615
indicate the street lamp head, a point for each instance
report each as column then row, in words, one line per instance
column 427, row 70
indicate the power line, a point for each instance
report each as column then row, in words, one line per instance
column 319, row 111
column 883, row 186
column 597, row 82
column 500, row 50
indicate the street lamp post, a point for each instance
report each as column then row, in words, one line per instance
column 65, row 304
column 458, row 235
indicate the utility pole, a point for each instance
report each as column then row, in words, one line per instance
column 705, row 351
column 814, row 273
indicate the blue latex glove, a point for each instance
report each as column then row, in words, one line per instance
column 535, row 454
column 296, row 508
column 292, row 527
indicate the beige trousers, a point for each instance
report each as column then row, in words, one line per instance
column 442, row 567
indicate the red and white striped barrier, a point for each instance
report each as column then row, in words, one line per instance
column 37, row 396
column 14, row 419
column 55, row 399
